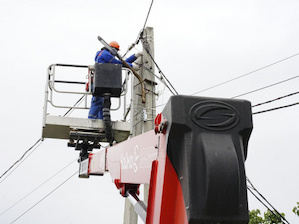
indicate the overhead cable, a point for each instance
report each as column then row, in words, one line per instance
column 253, row 188
column 279, row 98
column 44, row 197
column 276, row 108
column 148, row 15
column 266, row 86
column 39, row 140
column 238, row 77
column 37, row 188
column 136, row 42
column 162, row 80
column 160, row 72
column 141, row 32
column 71, row 109
column 263, row 111
column 248, row 188
column 16, row 166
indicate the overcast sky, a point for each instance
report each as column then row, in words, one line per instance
column 198, row 44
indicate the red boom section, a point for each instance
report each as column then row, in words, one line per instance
column 167, row 205
column 131, row 161
column 143, row 160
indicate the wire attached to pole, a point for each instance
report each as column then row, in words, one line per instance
column 141, row 32
column 160, row 72
column 147, row 15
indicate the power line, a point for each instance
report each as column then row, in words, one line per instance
column 147, row 15
column 279, row 98
column 161, row 79
column 275, row 108
column 39, row 140
column 44, row 197
column 136, row 42
column 238, row 77
column 160, row 72
column 248, row 188
column 140, row 32
column 71, row 109
column 15, row 167
column 252, row 187
column 263, row 111
column 37, row 188
column 262, row 202
column 267, row 86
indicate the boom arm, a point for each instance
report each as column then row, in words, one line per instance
column 193, row 162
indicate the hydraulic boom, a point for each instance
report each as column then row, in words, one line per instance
column 193, row 161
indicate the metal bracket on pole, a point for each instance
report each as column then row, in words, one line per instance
column 125, row 64
column 139, row 206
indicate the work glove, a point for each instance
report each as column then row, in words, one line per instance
column 137, row 55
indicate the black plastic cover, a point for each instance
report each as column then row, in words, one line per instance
column 107, row 79
column 207, row 142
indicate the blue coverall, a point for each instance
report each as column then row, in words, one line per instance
column 104, row 56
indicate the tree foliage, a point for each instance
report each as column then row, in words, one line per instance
column 296, row 209
column 254, row 217
column 269, row 218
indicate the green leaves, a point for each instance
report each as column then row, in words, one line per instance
column 296, row 209
column 270, row 217
column 254, row 217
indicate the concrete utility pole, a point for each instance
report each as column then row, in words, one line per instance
column 143, row 114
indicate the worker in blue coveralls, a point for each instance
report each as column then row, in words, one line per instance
column 104, row 56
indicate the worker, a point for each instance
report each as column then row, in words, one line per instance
column 104, row 56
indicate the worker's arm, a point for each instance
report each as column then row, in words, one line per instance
column 133, row 57
column 109, row 58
